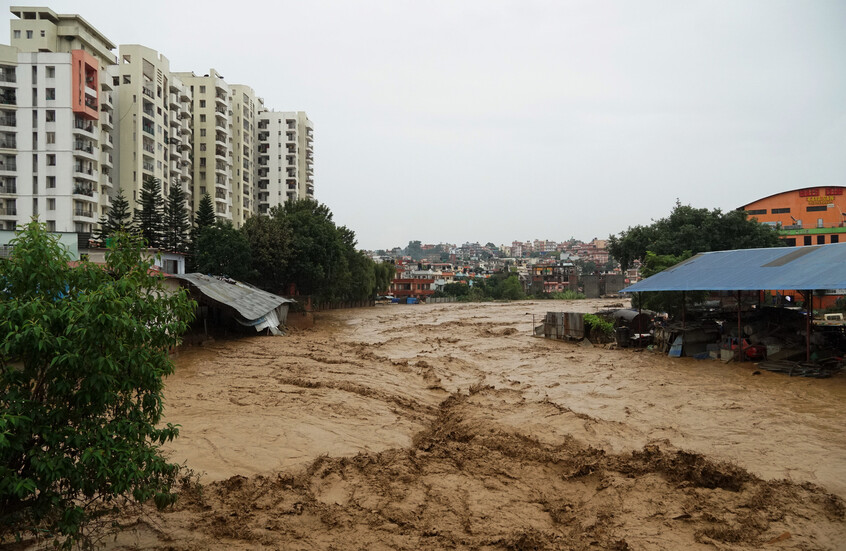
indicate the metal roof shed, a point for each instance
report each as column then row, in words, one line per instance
column 801, row 268
column 254, row 307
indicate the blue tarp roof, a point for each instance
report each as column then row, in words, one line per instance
column 797, row 268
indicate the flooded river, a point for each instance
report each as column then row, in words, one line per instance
column 451, row 426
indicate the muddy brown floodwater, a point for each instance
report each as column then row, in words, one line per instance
column 451, row 427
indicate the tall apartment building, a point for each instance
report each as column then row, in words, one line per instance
column 153, row 132
column 285, row 158
column 212, row 140
column 76, row 122
column 55, row 119
column 245, row 107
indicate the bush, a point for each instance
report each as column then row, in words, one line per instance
column 599, row 328
column 83, row 353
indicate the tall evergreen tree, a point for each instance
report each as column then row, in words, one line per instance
column 118, row 218
column 148, row 219
column 205, row 213
column 176, row 225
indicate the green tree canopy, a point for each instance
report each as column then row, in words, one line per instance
column 269, row 239
column 82, row 354
column 176, row 225
column 205, row 216
column 117, row 219
column 149, row 219
column 224, row 251
column 694, row 230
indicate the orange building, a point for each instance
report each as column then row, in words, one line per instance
column 807, row 216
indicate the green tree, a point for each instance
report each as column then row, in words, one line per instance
column 117, row 219
column 671, row 302
column 317, row 261
column 205, row 216
column 82, row 355
column 223, row 251
column 384, row 273
column 176, row 224
column 414, row 250
column 269, row 239
column 691, row 229
column 149, row 218
column 512, row 289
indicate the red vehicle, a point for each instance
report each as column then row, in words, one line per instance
column 750, row 351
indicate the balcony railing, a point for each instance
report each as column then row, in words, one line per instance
column 83, row 146
column 88, row 213
column 8, row 186
column 8, row 211
column 83, row 170
column 9, row 143
column 8, row 98
column 83, row 125
column 147, row 92
column 8, row 121
column 149, row 148
column 83, row 190
column 8, row 75
column 8, row 165
column 148, row 129
column 149, row 167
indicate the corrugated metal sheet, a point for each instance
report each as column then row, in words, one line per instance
column 813, row 267
column 564, row 325
column 249, row 302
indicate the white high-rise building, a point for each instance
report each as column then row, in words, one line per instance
column 153, row 134
column 57, row 109
column 285, row 158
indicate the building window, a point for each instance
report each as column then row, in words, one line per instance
column 202, row 175
column 51, row 204
column 50, row 93
column 202, row 118
column 202, row 132
column 51, row 137
column 51, row 160
column 127, row 79
column 43, row 34
column 29, row 34
column 835, row 239
column 807, row 240
column 202, row 161
column 202, row 147
column 51, row 71
column 816, row 208
column 17, row 34
column 791, row 241
column 749, row 212
column 202, row 103
column 51, row 182
column 780, row 211
column 51, row 225
column 820, row 240
column 202, row 89
column 51, row 115
column 820, row 223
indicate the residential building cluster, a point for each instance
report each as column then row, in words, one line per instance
column 79, row 122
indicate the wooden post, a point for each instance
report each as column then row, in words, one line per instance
column 739, row 330
column 809, row 306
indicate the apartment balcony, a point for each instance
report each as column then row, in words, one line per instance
column 220, row 123
column 174, row 122
column 8, row 74
column 173, row 101
column 149, row 113
column 8, row 141
column 149, row 167
column 85, row 172
column 185, row 130
column 8, row 164
column 87, row 148
column 83, row 189
column 84, row 215
column 310, row 190
column 220, row 137
column 106, row 160
column 106, row 101
column 219, row 193
column 291, row 138
column 8, row 185
column 263, row 136
column 8, row 119
column 262, row 171
column 148, row 92
column 220, row 97
column 149, row 148
column 8, row 211
column 106, row 120
column 149, row 129
column 8, row 96
column 82, row 125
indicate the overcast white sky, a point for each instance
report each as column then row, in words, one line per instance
column 488, row 120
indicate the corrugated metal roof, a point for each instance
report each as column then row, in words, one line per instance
column 800, row 268
column 250, row 302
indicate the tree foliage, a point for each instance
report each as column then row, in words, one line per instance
column 149, row 218
column 205, row 216
column 83, row 353
column 118, row 218
column 224, row 251
column 269, row 240
column 694, row 230
column 176, row 225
